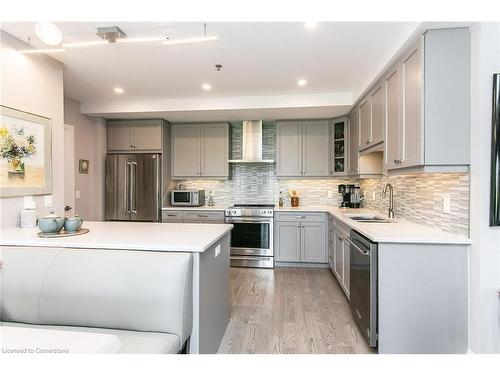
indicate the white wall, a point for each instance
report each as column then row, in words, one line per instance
column 33, row 83
column 484, row 312
column 90, row 144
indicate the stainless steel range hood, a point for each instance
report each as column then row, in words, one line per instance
column 252, row 144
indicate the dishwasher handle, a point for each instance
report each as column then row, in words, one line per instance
column 360, row 250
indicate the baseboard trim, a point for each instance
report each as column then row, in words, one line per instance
column 301, row 265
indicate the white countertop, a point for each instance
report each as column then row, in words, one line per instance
column 201, row 208
column 399, row 231
column 167, row 237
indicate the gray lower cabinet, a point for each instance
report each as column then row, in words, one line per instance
column 193, row 216
column 200, row 150
column 134, row 135
column 287, row 242
column 301, row 237
column 341, row 256
column 303, row 148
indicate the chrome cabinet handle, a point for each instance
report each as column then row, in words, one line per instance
column 298, row 225
column 302, row 226
column 202, row 215
column 300, row 217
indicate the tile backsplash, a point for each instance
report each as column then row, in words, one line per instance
column 417, row 198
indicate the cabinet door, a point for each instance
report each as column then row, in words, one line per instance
column 377, row 98
column 365, row 124
column 411, row 78
column 353, row 142
column 338, row 269
column 313, row 238
column 392, row 136
column 215, row 150
column 186, row 150
column 315, row 148
column 346, row 281
column 147, row 135
column 120, row 135
column 289, row 149
column 288, row 242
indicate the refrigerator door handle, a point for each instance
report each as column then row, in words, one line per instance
column 133, row 193
column 126, row 199
column 157, row 190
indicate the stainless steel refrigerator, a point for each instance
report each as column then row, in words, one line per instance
column 133, row 187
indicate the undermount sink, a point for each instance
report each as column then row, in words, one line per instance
column 369, row 218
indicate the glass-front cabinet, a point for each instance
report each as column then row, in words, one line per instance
column 338, row 162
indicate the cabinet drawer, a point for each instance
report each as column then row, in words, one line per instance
column 199, row 216
column 305, row 217
column 172, row 216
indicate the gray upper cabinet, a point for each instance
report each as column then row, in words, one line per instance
column 353, row 142
column 392, row 137
column 134, row 135
column 411, row 130
column 428, row 130
column 365, row 124
column 200, row 150
column 147, row 134
column 377, row 106
column 289, row 148
column 303, row 148
column 186, row 150
column 215, row 150
column 315, row 148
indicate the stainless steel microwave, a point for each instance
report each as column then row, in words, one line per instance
column 190, row 198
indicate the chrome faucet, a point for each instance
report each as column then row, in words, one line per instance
column 388, row 186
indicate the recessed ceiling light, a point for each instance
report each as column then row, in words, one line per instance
column 302, row 82
column 48, row 33
column 206, row 86
column 311, row 25
column 119, row 90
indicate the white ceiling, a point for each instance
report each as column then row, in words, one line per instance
column 259, row 59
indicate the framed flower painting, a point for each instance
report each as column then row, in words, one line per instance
column 25, row 153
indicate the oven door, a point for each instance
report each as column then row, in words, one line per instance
column 251, row 236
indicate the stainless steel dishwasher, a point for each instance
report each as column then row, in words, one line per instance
column 363, row 285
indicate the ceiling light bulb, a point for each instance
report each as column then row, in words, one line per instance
column 206, row 86
column 302, row 82
column 48, row 33
column 119, row 90
column 311, row 25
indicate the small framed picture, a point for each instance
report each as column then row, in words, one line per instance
column 83, row 166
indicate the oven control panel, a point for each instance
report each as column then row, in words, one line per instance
column 249, row 212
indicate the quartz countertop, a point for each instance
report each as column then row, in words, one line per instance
column 220, row 207
column 126, row 236
column 398, row 231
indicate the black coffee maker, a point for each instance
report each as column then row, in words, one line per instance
column 346, row 191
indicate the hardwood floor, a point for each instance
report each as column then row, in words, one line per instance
column 289, row 310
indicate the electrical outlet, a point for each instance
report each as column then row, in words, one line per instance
column 77, row 194
column 446, row 204
column 48, row 200
column 329, row 193
column 217, row 251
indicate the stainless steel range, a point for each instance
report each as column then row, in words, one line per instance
column 252, row 235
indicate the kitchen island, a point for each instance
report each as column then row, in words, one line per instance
column 207, row 244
